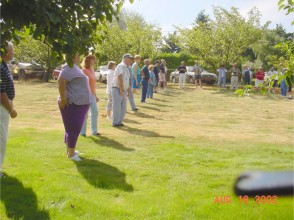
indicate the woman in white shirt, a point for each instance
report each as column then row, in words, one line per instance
column 110, row 75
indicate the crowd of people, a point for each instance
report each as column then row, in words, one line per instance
column 124, row 80
column 77, row 91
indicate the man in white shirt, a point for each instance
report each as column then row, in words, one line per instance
column 120, row 88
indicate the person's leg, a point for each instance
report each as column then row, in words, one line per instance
column 219, row 82
column 151, row 91
column 123, row 107
column 180, row 80
column 94, row 116
column 224, row 82
column 116, row 106
column 232, row 83
column 84, row 128
column 144, row 90
column 184, row 80
column 131, row 100
column 148, row 91
column 4, row 119
column 109, row 106
column 73, row 117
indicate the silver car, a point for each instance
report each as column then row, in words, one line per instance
column 206, row 77
column 101, row 74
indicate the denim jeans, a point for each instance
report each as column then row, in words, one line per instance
column 94, row 118
column 144, row 90
column 119, row 106
column 283, row 86
column 131, row 99
column 222, row 80
column 150, row 91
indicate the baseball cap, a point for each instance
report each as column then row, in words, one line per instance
column 127, row 55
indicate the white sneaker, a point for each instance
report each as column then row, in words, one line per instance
column 77, row 152
column 76, row 158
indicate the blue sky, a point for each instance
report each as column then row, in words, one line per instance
column 182, row 13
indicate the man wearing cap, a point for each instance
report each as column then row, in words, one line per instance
column 235, row 74
column 120, row 88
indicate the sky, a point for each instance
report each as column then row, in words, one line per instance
column 182, row 13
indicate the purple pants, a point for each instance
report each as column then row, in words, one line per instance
column 73, row 117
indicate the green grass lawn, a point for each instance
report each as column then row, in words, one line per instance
column 170, row 161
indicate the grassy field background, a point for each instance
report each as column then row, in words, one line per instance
column 170, row 161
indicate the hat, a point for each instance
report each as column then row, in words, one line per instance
column 127, row 55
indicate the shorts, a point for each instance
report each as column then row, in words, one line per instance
column 197, row 76
column 134, row 86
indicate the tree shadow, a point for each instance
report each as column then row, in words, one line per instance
column 106, row 142
column 144, row 133
column 20, row 202
column 102, row 175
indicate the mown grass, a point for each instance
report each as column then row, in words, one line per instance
column 170, row 161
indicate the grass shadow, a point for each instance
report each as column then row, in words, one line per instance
column 20, row 202
column 106, row 142
column 159, row 105
column 160, row 100
column 143, row 115
column 102, row 175
column 131, row 121
column 151, row 108
column 144, row 133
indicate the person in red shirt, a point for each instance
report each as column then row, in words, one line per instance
column 259, row 77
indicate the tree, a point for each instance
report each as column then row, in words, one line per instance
column 202, row 18
column 130, row 34
column 225, row 39
column 171, row 43
column 66, row 26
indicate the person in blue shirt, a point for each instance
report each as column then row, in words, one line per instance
column 136, row 74
column 151, row 82
column 222, row 75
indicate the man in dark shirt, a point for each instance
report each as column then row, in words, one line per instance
column 7, row 95
column 156, row 73
column 145, row 79
column 182, row 75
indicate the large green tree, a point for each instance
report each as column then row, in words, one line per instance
column 130, row 34
column 225, row 38
column 66, row 26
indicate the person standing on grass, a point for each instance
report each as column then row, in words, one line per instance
column 145, row 79
column 131, row 94
column 111, row 67
column 222, row 76
column 74, row 102
column 88, row 69
column 7, row 96
column 156, row 73
column 151, row 82
column 246, row 75
column 136, row 74
column 197, row 71
column 163, row 73
column 283, row 84
column 235, row 74
column 120, row 88
column 182, row 75
column 259, row 77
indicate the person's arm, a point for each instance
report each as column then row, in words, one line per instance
column 62, row 92
column 135, row 74
column 8, row 105
column 120, row 84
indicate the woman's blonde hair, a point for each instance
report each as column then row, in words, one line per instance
column 111, row 64
column 151, row 67
column 87, row 61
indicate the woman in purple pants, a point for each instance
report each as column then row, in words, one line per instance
column 74, row 101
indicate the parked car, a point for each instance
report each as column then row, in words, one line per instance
column 25, row 71
column 206, row 77
column 101, row 74
column 56, row 72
